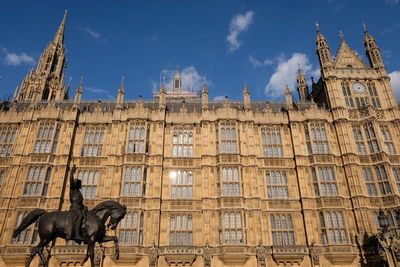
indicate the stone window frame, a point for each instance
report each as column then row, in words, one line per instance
column 276, row 187
column 181, row 229
column 37, row 181
column 93, row 141
column 131, row 183
column 347, row 94
column 377, row 176
column 228, row 137
column 371, row 137
column 324, row 181
column 132, row 227
column 317, row 142
column 137, row 138
column 181, row 186
column 373, row 93
column 282, row 229
column 7, row 138
column 271, row 138
column 359, row 140
column 387, row 139
column 183, row 142
column 333, row 227
column 226, row 183
column 396, row 175
column 47, row 137
column 89, row 182
column 231, row 230
column 27, row 236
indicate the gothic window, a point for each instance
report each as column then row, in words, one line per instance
column 282, row 230
column 131, row 229
column 374, row 95
column 324, row 181
column 134, row 184
column 231, row 228
column 396, row 175
column 392, row 221
column 370, row 136
column 37, row 181
column 229, row 181
column 228, row 138
column 333, row 229
column 47, row 138
column 277, row 187
column 317, row 142
column 272, row 142
column 361, row 101
column 359, row 139
column 181, row 184
column 380, row 180
column 7, row 136
column 347, row 95
column 90, row 179
column 29, row 235
column 182, row 143
column 387, row 138
column 180, row 230
column 137, row 138
column 93, row 142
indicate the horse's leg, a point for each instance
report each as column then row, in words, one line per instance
column 91, row 252
column 37, row 250
column 40, row 247
column 34, row 251
column 107, row 238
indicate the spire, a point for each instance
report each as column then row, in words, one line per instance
column 372, row 51
column 246, row 97
column 78, row 94
column 323, row 50
column 302, row 86
column 288, row 98
column 59, row 37
column 176, row 81
column 341, row 34
column 121, row 92
column 204, row 95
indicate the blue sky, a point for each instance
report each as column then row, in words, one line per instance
column 229, row 42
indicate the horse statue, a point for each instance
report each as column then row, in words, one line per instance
column 56, row 224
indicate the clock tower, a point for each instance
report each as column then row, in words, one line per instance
column 350, row 83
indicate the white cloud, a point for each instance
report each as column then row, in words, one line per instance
column 191, row 79
column 94, row 34
column 99, row 91
column 395, row 81
column 391, row 28
column 258, row 63
column 15, row 59
column 219, row 98
column 239, row 24
column 393, row 2
column 286, row 73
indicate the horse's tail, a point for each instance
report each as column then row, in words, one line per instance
column 28, row 220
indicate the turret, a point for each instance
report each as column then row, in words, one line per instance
column 323, row 50
column 204, row 95
column 162, row 98
column 121, row 92
column 302, row 86
column 78, row 94
column 177, row 81
column 372, row 51
column 288, row 98
column 246, row 97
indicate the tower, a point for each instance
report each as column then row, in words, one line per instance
column 246, row 97
column 177, row 82
column 302, row 86
column 204, row 95
column 46, row 82
column 323, row 50
column 373, row 52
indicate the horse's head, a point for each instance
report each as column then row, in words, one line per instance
column 116, row 216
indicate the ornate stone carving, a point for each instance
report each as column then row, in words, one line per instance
column 207, row 255
column 260, row 254
column 153, row 255
column 314, row 254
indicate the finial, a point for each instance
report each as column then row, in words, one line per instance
column 122, row 81
column 317, row 25
column 298, row 68
column 341, row 35
column 81, row 81
column 177, row 68
column 365, row 27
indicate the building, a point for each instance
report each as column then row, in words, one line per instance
column 294, row 183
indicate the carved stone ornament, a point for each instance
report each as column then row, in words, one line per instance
column 207, row 255
column 314, row 254
column 153, row 255
column 260, row 254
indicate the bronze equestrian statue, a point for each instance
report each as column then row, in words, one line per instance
column 89, row 229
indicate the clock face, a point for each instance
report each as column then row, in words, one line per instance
column 358, row 88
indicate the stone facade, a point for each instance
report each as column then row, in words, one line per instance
column 209, row 183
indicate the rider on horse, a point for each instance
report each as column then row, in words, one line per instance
column 77, row 209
